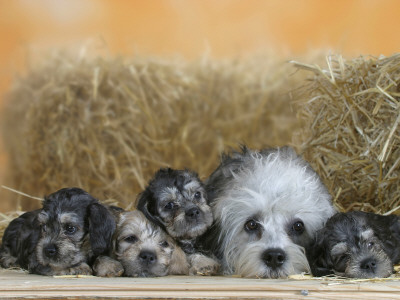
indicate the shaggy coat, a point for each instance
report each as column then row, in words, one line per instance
column 267, row 206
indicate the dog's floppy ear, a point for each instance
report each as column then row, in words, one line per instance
column 101, row 228
column 148, row 206
column 387, row 229
column 319, row 256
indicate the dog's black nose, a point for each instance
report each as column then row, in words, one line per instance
column 50, row 250
column 148, row 257
column 368, row 264
column 274, row 257
column 193, row 213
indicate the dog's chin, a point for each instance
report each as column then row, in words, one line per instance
column 135, row 269
column 248, row 263
column 63, row 262
column 144, row 273
column 358, row 273
column 182, row 229
column 191, row 232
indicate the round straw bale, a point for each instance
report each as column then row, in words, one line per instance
column 107, row 125
column 352, row 138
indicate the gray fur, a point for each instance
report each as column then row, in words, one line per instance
column 357, row 245
column 176, row 201
column 62, row 238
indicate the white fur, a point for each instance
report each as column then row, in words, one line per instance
column 276, row 189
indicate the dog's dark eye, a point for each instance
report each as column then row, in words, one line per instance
column 170, row 205
column 69, row 229
column 251, row 225
column 197, row 195
column 370, row 244
column 164, row 244
column 298, row 227
column 131, row 239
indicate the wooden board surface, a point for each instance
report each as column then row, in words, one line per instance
column 15, row 284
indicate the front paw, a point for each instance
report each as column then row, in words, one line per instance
column 203, row 265
column 8, row 261
column 105, row 266
column 82, row 269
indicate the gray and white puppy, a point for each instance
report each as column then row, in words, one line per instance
column 61, row 238
column 176, row 201
column 267, row 206
column 356, row 244
column 141, row 249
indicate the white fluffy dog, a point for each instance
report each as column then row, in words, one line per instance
column 267, row 206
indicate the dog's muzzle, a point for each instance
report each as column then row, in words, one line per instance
column 274, row 258
column 50, row 251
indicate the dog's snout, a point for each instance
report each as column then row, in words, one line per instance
column 274, row 257
column 148, row 257
column 193, row 213
column 368, row 264
column 50, row 250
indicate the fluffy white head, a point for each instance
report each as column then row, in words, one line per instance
column 267, row 200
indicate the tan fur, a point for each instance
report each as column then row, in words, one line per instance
column 169, row 258
column 179, row 264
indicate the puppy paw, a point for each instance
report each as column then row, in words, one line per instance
column 203, row 265
column 82, row 269
column 8, row 261
column 105, row 266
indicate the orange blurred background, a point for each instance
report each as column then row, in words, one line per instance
column 191, row 28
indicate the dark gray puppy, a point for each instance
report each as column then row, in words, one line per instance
column 176, row 201
column 356, row 244
column 62, row 238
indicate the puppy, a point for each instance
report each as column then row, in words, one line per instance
column 141, row 249
column 61, row 238
column 356, row 244
column 267, row 205
column 176, row 201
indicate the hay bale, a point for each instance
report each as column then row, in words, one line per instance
column 107, row 125
column 352, row 137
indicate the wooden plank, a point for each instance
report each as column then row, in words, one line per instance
column 17, row 284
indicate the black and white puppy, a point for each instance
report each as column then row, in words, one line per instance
column 356, row 244
column 267, row 206
column 61, row 238
column 176, row 201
